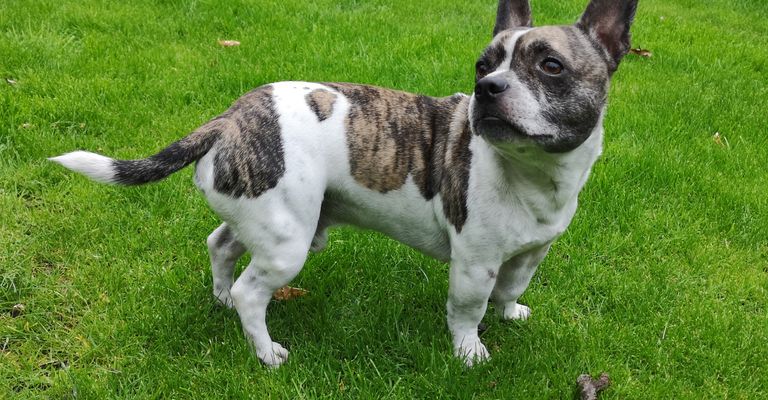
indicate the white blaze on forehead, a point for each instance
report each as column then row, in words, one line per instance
column 509, row 49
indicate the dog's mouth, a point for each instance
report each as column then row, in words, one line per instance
column 496, row 128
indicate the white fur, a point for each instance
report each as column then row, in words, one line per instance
column 514, row 215
column 95, row 166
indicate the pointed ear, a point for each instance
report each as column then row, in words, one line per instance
column 512, row 14
column 608, row 22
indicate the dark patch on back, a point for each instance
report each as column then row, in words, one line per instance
column 249, row 157
column 321, row 102
column 392, row 135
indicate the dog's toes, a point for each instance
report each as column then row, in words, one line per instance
column 472, row 353
column 280, row 351
column 516, row 311
column 275, row 356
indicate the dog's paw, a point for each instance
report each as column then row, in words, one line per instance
column 515, row 311
column 224, row 298
column 274, row 356
column 472, row 352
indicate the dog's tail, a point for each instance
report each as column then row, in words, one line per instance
column 154, row 168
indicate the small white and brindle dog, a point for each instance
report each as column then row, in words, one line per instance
column 486, row 181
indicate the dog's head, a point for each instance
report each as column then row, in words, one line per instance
column 547, row 86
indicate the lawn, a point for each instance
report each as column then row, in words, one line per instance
column 661, row 280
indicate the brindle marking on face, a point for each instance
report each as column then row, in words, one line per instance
column 491, row 59
column 249, row 155
column 575, row 98
column 393, row 134
column 321, row 102
column 573, row 101
column 494, row 54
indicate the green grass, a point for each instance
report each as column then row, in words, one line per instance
column 661, row 281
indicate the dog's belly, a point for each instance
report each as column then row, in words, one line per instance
column 401, row 214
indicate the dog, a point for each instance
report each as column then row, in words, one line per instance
column 485, row 181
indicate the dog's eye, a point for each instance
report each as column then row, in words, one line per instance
column 481, row 69
column 551, row 66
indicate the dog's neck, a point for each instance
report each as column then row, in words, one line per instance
column 545, row 183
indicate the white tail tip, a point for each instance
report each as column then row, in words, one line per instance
column 95, row 166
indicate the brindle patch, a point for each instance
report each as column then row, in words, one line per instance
column 321, row 102
column 249, row 155
column 392, row 135
column 455, row 173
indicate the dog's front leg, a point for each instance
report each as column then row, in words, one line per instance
column 514, row 277
column 470, row 285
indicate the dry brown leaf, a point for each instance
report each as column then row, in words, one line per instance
column 10, row 81
column 229, row 43
column 289, row 293
column 641, row 52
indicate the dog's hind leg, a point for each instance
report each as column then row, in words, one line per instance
column 276, row 229
column 514, row 277
column 224, row 251
column 276, row 258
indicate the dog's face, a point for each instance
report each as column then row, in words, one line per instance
column 547, row 86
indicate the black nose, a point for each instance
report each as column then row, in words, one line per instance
column 489, row 87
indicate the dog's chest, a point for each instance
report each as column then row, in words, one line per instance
column 505, row 229
column 510, row 212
